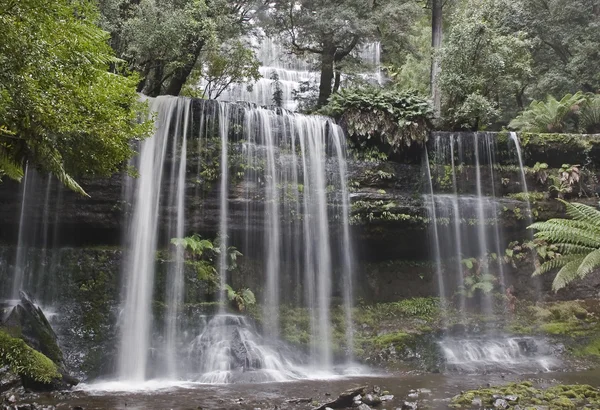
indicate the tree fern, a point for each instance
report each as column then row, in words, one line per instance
column 548, row 116
column 577, row 241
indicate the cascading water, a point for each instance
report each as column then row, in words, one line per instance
column 510, row 354
column 290, row 74
column 294, row 173
column 468, row 245
column 38, row 230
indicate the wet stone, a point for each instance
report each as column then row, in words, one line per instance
column 501, row 404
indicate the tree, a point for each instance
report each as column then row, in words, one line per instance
column 232, row 63
column 485, row 66
column 334, row 30
column 61, row 110
column 436, row 44
column 565, row 35
column 164, row 39
column 577, row 241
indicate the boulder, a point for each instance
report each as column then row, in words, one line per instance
column 28, row 322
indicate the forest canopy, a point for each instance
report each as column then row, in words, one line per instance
column 71, row 70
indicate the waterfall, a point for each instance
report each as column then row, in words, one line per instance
column 19, row 269
column 511, row 354
column 467, row 243
column 141, row 246
column 291, row 171
column 291, row 74
column 465, row 229
column 38, row 229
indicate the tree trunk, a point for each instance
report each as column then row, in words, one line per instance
column 436, row 44
column 181, row 74
column 327, row 75
column 338, row 80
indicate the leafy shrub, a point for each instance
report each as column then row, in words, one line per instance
column 551, row 115
column 589, row 117
column 392, row 118
column 241, row 299
column 25, row 361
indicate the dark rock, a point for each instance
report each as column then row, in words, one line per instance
column 345, row 399
column 29, row 322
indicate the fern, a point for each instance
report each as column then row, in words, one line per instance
column 10, row 167
column 548, row 116
column 577, row 240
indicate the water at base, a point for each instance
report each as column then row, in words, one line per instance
column 502, row 354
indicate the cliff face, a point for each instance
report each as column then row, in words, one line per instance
column 390, row 224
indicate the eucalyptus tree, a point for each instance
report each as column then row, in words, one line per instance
column 61, row 109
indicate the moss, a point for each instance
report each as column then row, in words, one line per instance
column 555, row 397
column 25, row 361
column 590, row 349
column 391, row 339
column 558, row 328
column 563, row 403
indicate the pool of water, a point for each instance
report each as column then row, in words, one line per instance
column 162, row 395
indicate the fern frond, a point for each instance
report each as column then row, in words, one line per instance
column 559, row 262
column 567, row 232
column 566, row 275
column 583, row 213
column 589, row 263
column 567, row 248
column 10, row 167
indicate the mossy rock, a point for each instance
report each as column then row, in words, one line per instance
column 25, row 361
column 555, row 397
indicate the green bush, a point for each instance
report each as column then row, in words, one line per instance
column 389, row 117
column 25, row 361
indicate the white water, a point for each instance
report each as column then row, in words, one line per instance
column 513, row 354
column 141, row 247
column 293, row 74
column 465, row 224
column 278, row 151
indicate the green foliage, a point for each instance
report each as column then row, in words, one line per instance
column 577, row 241
column 589, row 115
column 333, row 31
column 484, row 65
column 60, row 107
column 563, row 183
column 202, row 255
column 240, row 299
column 392, row 118
column 551, row 115
column 477, row 278
column 25, row 361
column 232, row 63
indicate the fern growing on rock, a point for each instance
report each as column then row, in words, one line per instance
column 577, row 241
